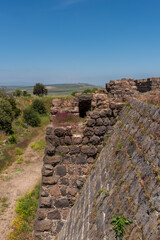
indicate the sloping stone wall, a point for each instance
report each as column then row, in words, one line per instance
column 126, row 180
column 67, row 163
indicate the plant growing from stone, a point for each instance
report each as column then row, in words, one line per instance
column 119, row 223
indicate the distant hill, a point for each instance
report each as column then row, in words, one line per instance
column 55, row 89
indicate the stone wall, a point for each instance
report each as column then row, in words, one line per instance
column 126, row 180
column 129, row 87
column 68, row 161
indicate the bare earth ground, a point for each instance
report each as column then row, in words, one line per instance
column 15, row 181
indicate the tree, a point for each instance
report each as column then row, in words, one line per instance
column 6, row 116
column 39, row 89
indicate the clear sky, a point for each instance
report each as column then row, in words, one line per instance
column 66, row 41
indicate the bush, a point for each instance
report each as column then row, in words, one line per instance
column 38, row 106
column 90, row 90
column 31, row 117
column 12, row 139
column 16, row 110
column 74, row 93
column 39, row 146
column 17, row 93
column 6, row 116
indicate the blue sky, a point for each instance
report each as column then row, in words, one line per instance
column 67, row 41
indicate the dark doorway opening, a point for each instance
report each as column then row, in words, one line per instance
column 84, row 107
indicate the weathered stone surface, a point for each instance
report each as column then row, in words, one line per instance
column 68, row 140
column 95, row 140
column 81, row 160
column 53, row 159
column 41, row 214
column 77, row 140
column 92, row 151
column 95, row 114
column 84, row 149
column 63, row 149
column 49, row 180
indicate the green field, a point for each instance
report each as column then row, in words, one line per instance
column 55, row 89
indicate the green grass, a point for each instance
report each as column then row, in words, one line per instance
column 26, row 208
column 3, row 204
column 18, row 151
column 39, row 146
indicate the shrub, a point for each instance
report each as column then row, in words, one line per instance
column 39, row 146
column 74, row 93
column 6, row 116
column 16, row 110
column 120, row 223
column 90, row 90
column 31, row 117
column 38, row 106
column 12, row 139
column 17, row 93
column 18, row 151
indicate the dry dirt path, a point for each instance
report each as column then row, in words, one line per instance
column 15, row 181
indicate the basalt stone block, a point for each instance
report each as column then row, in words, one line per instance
column 67, row 140
column 95, row 115
column 106, row 121
column 54, row 215
column 62, row 203
column 99, row 148
column 63, row 191
column 100, row 130
column 81, row 160
column 49, row 180
column 72, row 191
column 64, row 181
column 50, row 150
column 47, row 172
column 88, row 132
column 59, row 226
column 54, row 160
column 61, row 170
column 99, row 122
column 60, row 132
column 41, row 214
column 94, row 140
column 77, row 140
column 85, row 140
column 63, row 149
column 80, row 183
column 90, row 122
column 43, row 225
column 90, row 160
column 49, row 129
column 84, row 149
column 45, row 202
column 69, row 131
column 55, row 191
column 74, row 149
column 92, row 151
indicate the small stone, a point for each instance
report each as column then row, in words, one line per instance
column 90, row 160
column 41, row 214
column 84, row 149
column 88, row 132
column 100, row 130
column 92, row 151
column 76, row 140
column 85, row 140
column 53, row 160
column 95, row 115
column 63, row 149
column 94, row 140
column 99, row 122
